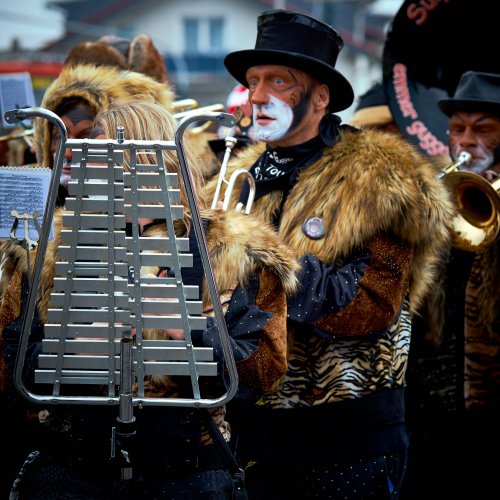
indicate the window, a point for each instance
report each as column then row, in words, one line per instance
column 215, row 32
column 203, row 35
column 191, row 29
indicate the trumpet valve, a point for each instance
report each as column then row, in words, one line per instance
column 230, row 142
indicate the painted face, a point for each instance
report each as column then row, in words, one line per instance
column 281, row 98
column 477, row 133
column 79, row 123
column 272, row 120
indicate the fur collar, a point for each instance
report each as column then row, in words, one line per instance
column 369, row 182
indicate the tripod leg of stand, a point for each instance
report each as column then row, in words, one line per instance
column 124, row 434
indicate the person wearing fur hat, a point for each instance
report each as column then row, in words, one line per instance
column 78, row 94
column 367, row 217
column 175, row 455
column 453, row 396
column 138, row 55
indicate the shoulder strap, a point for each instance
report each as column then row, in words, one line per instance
column 236, row 471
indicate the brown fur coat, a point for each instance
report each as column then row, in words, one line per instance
column 369, row 182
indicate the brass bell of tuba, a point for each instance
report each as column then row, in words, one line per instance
column 477, row 223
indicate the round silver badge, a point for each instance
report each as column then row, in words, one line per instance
column 314, row 228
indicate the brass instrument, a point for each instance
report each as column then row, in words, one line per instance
column 464, row 158
column 186, row 111
column 181, row 109
column 477, row 224
column 184, row 105
column 25, row 134
column 230, row 143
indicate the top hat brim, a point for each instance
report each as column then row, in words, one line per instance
column 450, row 106
column 341, row 92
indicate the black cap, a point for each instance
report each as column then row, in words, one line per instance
column 475, row 91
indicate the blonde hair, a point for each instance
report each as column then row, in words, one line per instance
column 149, row 121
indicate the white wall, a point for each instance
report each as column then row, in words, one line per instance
column 164, row 22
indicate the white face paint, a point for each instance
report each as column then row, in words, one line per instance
column 482, row 157
column 64, row 180
column 272, row 120
column 65, row 171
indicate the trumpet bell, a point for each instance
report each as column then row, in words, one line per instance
column 477, row 224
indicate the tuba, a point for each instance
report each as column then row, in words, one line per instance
column 477, row 223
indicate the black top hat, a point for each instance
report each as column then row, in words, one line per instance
column 288, row 38
column 475, row 92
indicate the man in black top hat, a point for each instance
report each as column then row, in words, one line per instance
column 349, row 204
column 453, row 393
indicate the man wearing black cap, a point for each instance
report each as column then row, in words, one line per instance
column 365, row 215
column 453, row 394
column 474, row 125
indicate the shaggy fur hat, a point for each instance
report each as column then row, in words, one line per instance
column 100, row 87
column 138, row 55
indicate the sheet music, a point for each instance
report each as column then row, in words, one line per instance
column 16, row 91
column 24, row 189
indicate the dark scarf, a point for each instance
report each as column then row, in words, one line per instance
column 278, row 168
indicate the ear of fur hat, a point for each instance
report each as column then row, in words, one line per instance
column 138, row 55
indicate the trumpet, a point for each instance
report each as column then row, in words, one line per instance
column 186, row 107
column 24, row 134
column 477, row 224
column 230, row 142
column 464, row 158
